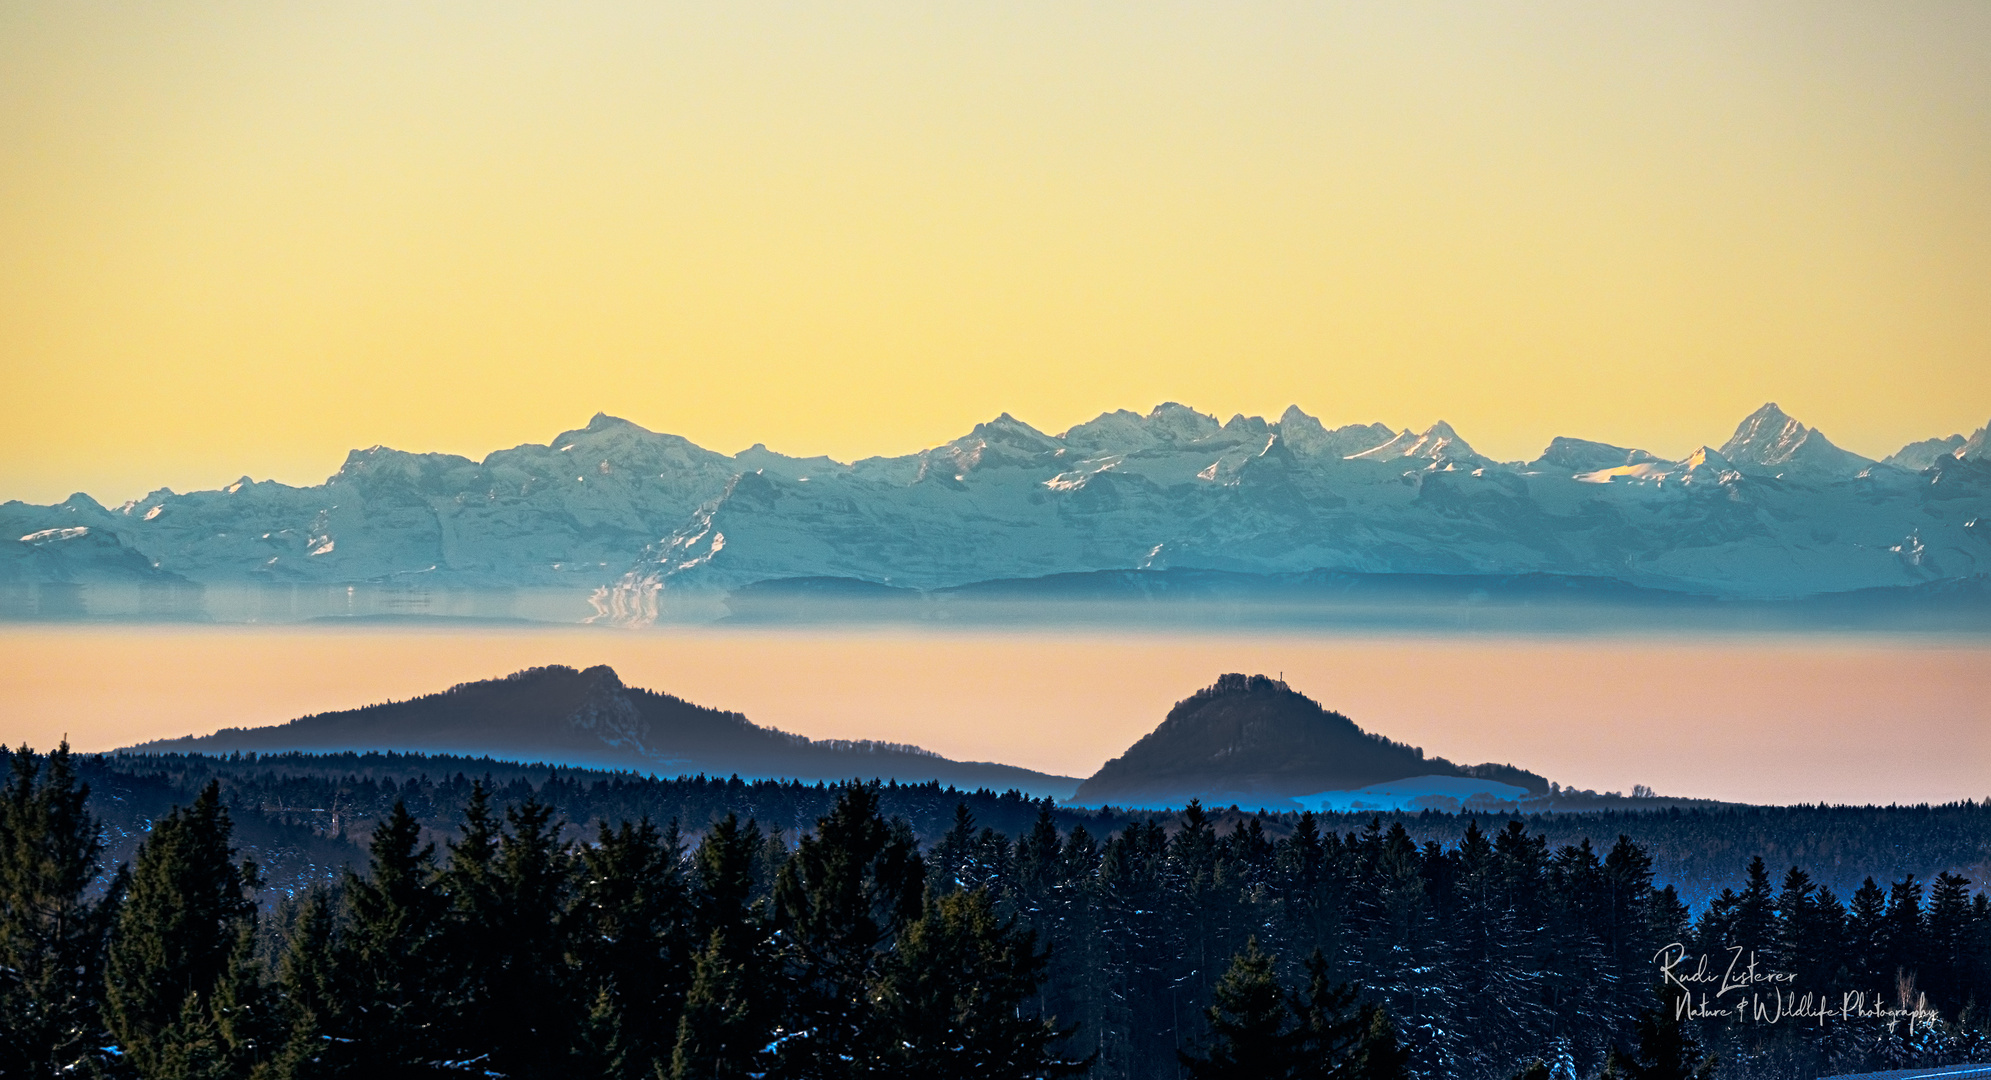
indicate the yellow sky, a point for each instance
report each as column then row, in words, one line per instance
column 242, row 238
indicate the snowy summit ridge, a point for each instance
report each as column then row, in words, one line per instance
column 1777, row 509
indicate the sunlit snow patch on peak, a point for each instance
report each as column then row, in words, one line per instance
column 48, row 536
column 1647, row 472
column 1075, row 478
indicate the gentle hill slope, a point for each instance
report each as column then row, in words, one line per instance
column 590, row 719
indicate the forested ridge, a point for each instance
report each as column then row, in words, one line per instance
column 539, row 934
column 305, row 816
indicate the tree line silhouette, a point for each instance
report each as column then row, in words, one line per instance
column 307, row 815
column 517, row 947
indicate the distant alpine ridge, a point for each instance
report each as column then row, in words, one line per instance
column 634, row 515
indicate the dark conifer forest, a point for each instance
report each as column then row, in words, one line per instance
column 297, row 917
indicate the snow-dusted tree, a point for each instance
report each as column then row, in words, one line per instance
column 840, row 903
column 957, row 993
column 732, row 1003
column 51, row 931
column 181, row 993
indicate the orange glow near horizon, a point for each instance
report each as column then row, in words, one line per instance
column 243, row 238
column 1783, row 720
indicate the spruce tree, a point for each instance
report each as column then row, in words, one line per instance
column 1332, row 1024
column 309, row 993
column 1381, row 1054
column 1901, row 939
column 1755, row 919
column 840, row 903
column 1866, row 926
column 530, row 1013
column 51, row 932
column 1668, row 919
column 1665, row 1050
column 1949, row 941
column 1251, row 1029
column 629, row 927
column 950, row 857
column 955, row 997
column 1626, row 927
column 729, row 1007
column 722, row 1033
column 384, row 1001
column 179, row 984
column 227, row 1033
column 471, row 939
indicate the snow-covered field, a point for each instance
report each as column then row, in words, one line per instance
column 1446, row 794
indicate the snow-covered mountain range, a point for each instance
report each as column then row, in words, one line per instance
column 1776, row 510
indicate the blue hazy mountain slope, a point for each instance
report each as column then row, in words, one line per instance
column 1776, row 510
column 1254, row 741
column 1194, row 599
column 589, row 719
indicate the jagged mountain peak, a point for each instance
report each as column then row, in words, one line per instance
column 1767, row 433
column 1437, row 443
column 1302, row 432
column 601, row 426
column 1977, row 447
column 1177, row 422
column 1440, row 438
column 81, row 501
column 1240, row 424
column 379, row 462
column 1305, row 434
column 1297, row 417
column 1010, row 426
column 1167, row 424
column 1772, row 440
column 1923, row 453
column 1002, row 442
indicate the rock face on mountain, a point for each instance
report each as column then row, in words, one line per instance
column 1777, row 510
column 590, row 719
column 78, row 553
column 1255, row 741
